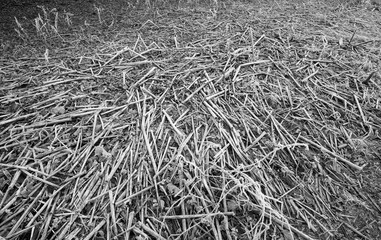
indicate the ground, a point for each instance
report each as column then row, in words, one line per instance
column 212, row 120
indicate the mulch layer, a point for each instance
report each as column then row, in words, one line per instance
column 192, row 121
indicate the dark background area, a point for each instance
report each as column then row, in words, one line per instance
column 26, row 10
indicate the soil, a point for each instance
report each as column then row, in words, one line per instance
column 27, row 10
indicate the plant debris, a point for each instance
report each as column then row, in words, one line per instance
column 236, row 121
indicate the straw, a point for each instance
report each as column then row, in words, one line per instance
column 217, row 121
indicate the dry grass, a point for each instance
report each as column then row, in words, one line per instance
column 237, row 122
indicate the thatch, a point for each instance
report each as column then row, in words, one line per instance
column 240, row 121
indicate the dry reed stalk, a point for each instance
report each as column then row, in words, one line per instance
column 216, row 129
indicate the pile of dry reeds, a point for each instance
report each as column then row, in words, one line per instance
column 242, row 122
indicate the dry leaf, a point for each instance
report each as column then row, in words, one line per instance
column 232, row 205
column 101, row 152
column 98, row 151
column 58, row 110
column 174, row 190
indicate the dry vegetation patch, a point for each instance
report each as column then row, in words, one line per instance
column 227, row 121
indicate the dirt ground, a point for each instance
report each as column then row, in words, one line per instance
column 27, row 10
